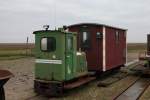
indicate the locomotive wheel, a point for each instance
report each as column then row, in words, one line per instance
column 48, row 89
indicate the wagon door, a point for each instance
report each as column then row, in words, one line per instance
column 85, row 38
column 69, row 57
column 89, row 40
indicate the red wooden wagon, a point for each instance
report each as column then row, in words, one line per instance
column 105, row 46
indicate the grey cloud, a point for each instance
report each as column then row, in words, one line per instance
column 19, row 18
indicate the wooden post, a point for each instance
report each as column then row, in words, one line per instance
column 27, row 45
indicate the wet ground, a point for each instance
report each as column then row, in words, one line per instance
column 21, row 85
column 135, row 90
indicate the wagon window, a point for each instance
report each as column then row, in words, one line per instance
column 84, row 36
column 125, row 34
column 48, row 44
column 124, row 53
column 117, row 36
column 85, row 41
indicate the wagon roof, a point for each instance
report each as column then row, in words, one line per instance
column 96, row 24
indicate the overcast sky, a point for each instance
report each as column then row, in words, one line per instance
column 19, row 18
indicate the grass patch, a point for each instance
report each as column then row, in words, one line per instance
column 136, row 47
column 10, row 54
column 12, row 57
column 10, row 51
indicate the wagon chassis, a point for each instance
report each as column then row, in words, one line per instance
column 55, row 88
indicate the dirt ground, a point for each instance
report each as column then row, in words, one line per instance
column 132, row 56
column 20, row 87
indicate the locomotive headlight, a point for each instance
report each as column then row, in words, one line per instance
column 54, row 56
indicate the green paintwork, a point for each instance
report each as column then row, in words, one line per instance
column 73, row 65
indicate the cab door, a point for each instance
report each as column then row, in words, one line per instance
column 69, row 57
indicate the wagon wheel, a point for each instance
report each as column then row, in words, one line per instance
column 2, row 93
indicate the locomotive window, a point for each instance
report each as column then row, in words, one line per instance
column 85, row 41
column 48, row 44
column 69, row 43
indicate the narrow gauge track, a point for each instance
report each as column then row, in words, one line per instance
column 112, row 79
column 115, row 77
column 135, row 90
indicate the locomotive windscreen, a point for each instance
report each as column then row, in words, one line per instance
column 48, row 44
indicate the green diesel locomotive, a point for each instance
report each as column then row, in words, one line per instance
column 58, row 65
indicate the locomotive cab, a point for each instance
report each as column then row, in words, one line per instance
column 57, row 60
